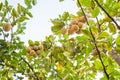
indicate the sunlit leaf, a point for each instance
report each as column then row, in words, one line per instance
column 98, row 64
column 65, row 15
column 14, row 13
column 85, row 3
column 19, row 8
column 22, row 18
column 29, row 14
column 112, row 28
column 1, row 4
column 118, row 40
column 95, row 12
column 34, row 2
column 103, row 35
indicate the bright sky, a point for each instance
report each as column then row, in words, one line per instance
column 40, row 26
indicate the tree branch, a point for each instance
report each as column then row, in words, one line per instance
column 107, row 14
column 30, row 68
column 11, row 29
column 99, row 30
column 115, row 56
column 94, row 41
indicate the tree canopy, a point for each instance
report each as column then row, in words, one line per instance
column 81, row 46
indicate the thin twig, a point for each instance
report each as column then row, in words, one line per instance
column 11, row 29
column 94, row 41
column 99, row 30
column 30, row 68
column 107, row 14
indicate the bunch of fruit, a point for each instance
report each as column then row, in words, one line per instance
column 34, row 50
column 75, row 26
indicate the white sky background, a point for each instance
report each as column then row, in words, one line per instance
column 40, row 26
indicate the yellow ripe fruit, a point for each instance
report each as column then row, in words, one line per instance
column 63, row 31
column 80, row 24
column 94, row 52
column 82, row 19
column 6, row 27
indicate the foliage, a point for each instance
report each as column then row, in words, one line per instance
column 81, row 46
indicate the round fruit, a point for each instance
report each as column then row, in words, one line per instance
column 36, row 48
column 63, row 31
column 6, row 27
column 33, row 53
column 38, row 52
column 70, row 31
column 80, row 24
column 74, row 21
column 74, row 28
column 41, row 47
column 28, row 49
column 78, row 32
column 82, row 19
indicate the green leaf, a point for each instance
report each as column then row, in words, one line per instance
column 34, row 2
column 103, row 35
column 27, row 2
column 30, row 42
column 19, row 8
column 61, row 0
column 29, row 14
column 118, row 40
column 108, row 2
column 86, row 3
column 112, row 28
column 98, row 64
column 86, row 32
column 58, row 23
column 65, row 15
column 6, row 3
column 22, row 18
column 14, row 13
column 1, row 5
column 1, row 14
column 116, row 6
column 95, row 12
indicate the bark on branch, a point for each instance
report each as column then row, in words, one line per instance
column 36, row 78
column 100, row 58
column 107, row 14
column 115, row 56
